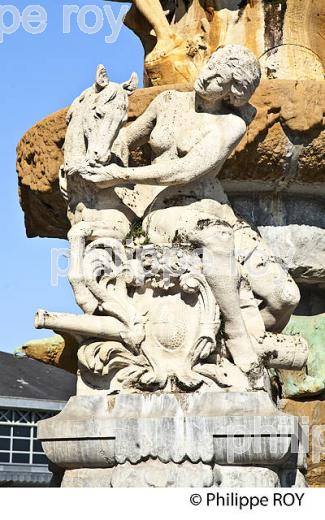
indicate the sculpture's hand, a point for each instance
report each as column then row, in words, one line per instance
column 76, row 169
column 103, row 176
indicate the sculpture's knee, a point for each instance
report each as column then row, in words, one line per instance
column 288, row 296
column 279, row 307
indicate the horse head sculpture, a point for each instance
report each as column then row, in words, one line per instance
column 107, row 112
column 95, row 119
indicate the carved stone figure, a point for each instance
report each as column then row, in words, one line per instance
column 183, row 302
column 187, row 217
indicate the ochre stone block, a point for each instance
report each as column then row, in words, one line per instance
column 315, row 411
column 59, row 351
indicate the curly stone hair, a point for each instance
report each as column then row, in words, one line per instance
column 244, row 67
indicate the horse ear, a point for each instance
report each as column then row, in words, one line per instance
column 132, row 84
column 102, row 79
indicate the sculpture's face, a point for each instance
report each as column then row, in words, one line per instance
column 108, row 111
column 213, row 84
column 216, row 82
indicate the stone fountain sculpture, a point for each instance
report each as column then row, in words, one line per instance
column 183, row 302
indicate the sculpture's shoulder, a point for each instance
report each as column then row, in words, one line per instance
column 231, row 124
column 170, row 97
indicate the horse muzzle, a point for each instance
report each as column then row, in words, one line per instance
column 102, row 159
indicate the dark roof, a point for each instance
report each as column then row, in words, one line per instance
column 27, row 378
column 15, row 475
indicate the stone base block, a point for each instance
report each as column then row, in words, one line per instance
column 173, row 440
column 157, row 474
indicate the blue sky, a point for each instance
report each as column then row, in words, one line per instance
column 41, row 73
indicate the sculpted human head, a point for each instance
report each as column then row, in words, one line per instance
column 232, row 74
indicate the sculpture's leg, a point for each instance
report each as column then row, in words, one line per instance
column 222, row 273
column 269, row 281
column 277, row 290
column 77, row 238
column 167, row 40
column 155, row 15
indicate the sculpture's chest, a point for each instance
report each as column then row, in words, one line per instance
column 179, row 131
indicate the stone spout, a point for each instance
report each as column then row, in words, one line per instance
column 283, row 352
column 103, row 327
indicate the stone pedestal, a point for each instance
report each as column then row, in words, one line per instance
column 174, row 440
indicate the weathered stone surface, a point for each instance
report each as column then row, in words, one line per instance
column 279, row 209
column 311, row 380
column 154, row 473
column 39, row 158
column 245, row 477
column 265, row 160
column 57, row 350
column 289, row 118
column 121, row 434
column 302, row 249
column 315, row 412
column 287, row 36
column 127, row 346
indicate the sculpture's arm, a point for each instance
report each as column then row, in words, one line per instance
column 208, row 155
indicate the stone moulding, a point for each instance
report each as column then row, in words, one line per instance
column 227, row 429
column 157, row 474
